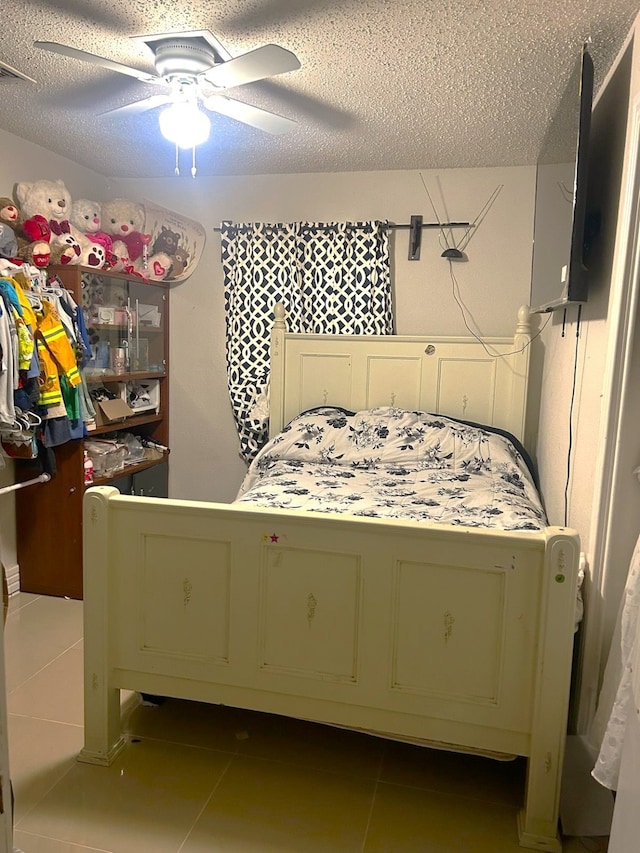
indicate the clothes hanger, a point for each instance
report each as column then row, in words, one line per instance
column 33, row 299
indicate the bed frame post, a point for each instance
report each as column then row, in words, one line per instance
column 521, row 355
column 277, row 377
column 538, row 821
column 102, row 734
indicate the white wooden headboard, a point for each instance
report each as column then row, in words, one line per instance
column 456, row 376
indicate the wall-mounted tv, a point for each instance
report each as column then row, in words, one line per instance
column 559, row 272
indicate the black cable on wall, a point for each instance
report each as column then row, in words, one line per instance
column 573, row 397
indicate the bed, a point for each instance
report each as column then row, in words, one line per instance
column 426, row 626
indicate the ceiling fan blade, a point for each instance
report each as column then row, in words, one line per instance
column 266, row 61
column 139, row 106
column 83, row 56
column 247, row 114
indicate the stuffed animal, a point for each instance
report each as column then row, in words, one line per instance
column 9, row 213
column 123, row 220
column 180, row 261
column 38, row 254
column 33, row 232
column 94, row 255
column 159, row 267
column 66, row 251
column 36, row 228
column 86, row 216
column 51, row 200
column 8, row 242
column 166, row 241
column 10, row 222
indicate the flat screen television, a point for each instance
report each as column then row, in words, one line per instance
column 559, row 271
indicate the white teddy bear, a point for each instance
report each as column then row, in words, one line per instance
column 123, row 220
column 52, row 200
column 86, row 217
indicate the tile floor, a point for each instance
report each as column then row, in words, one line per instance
column 201, row 779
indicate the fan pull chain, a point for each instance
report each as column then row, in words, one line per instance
column 176, row 171
column 193, row 162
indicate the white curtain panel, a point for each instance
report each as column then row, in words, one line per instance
column 333, row 278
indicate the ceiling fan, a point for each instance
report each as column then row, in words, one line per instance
column 194, row 68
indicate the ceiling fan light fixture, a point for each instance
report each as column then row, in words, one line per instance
column 184, row 124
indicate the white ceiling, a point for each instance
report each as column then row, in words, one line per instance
column 384, row 84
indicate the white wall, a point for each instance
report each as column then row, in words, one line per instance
column 559, row 337
column 492, row 284
column 603, row 494
column 24, row 161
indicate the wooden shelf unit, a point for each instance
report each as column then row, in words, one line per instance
column 49, row 519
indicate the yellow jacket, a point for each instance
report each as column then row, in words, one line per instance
column 56, row 355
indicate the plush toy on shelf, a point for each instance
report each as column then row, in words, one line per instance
column 180, row 261
column 66, row 251
column 8, row 242
column 94, row 255
column 38, row 253
column 9, row 228
column 86, row 216
column 166, row 241
column 36, row 228
column 9, row 213
column 123, row 220
column 52, row 201
column 159, row 267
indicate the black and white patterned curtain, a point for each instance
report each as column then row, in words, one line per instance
column 333, row 278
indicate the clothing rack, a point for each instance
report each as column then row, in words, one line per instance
column 42, row 478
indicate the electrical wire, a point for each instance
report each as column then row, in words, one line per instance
column 573, row 397
column 454, row 287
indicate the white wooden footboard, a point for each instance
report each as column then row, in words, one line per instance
column 416, row 631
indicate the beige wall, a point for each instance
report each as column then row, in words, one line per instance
column 599, row 326
column 23, row 161
column 492, row 284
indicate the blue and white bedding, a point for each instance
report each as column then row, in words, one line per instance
column 391, row 463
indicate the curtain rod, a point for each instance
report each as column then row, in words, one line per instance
column 43, row 478
column 390, row 225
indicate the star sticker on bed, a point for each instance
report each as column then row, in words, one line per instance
column 274, row 537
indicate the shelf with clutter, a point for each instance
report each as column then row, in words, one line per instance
column 122, row 453
column 119, row 366
column 89, row 284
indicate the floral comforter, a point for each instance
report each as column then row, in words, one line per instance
column 391, row 463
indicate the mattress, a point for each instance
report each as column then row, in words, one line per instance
column 392, row 463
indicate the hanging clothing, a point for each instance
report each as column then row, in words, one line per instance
column 333, row 278
column 615, row 703
column 26, row 343
column 7, row 365
column 55, row 353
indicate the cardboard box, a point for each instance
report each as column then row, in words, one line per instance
column 111, row 411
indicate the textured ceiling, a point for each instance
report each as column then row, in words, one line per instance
column 384, row 84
